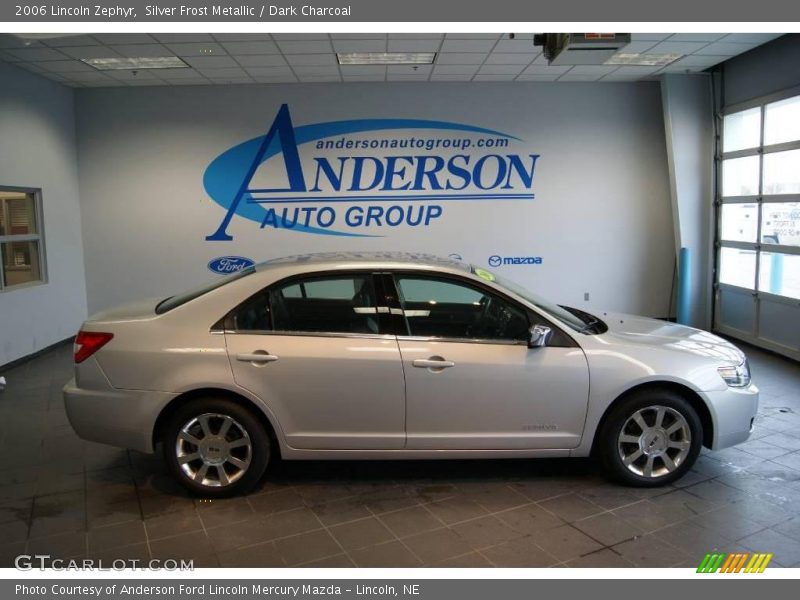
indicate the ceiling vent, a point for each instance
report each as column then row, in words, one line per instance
column 580, row 48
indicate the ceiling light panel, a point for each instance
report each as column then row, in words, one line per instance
column 150, row 62
column 643, row 60
column 385, row 58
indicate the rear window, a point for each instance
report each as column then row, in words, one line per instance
column 168, row 304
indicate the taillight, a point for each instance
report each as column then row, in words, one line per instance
column 89, row 342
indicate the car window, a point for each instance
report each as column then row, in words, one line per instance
column 451, row 309
column 330, row 304
column 253, row 314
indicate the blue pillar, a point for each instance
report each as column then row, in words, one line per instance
column 684, row 286
column 776, row 274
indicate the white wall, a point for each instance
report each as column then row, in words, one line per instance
column 601, row 219
column 37, row 149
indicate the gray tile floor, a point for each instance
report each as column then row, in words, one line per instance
column 68, row 498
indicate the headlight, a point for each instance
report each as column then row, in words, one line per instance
column 736, row 376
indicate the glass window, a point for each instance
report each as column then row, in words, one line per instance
column 780, row 223
column 782, row 121
column 449, row 309
column 740, row 176
column 21, row 249
column 737, row 267
column 782, row 172
column 779, row 274
column 742, row 130
column 329, row 304
column 20, row 263
column 739, row 222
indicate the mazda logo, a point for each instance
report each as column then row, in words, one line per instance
column 495, row 261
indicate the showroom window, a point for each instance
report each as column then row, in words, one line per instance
column 757, row 295
column 21, row 246
column 449, row 309
column 759, row 215
column 328, row 304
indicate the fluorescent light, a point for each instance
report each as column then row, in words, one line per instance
column 643, row 60
column 127, row 64
column 385, row 58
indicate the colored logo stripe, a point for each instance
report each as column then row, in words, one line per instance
column 758, row 563
column 734, row 563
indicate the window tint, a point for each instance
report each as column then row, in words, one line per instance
column 339, row 304
column 450, row 309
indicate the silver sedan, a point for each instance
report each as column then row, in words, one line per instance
column 393, row 356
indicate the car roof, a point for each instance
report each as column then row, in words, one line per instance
column 343, row 260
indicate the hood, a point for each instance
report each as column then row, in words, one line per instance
column 631, row 329
column 131, row 311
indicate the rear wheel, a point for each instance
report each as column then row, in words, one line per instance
column 651, row 438
column 216, row 447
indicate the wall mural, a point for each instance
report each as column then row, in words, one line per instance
column 363, row 178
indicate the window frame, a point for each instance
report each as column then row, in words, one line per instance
column 38, row 238
column 228, row 325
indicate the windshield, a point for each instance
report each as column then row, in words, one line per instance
column 559, row 312
column 176, row 301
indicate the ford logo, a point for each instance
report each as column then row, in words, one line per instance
column 224, row 265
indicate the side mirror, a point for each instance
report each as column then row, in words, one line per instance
column 539, row 336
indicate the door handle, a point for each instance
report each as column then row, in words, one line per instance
column 434, row 362
column 260, row 356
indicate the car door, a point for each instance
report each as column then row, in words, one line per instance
column 472, row 382
column 312, row 349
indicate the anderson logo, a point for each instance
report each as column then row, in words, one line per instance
column 496, row 261
column 229, row 264
column 357, row 178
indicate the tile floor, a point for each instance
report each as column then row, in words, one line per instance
column 68, row 498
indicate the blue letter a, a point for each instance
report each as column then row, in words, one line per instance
column 282, row 126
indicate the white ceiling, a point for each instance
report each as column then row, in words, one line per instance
column 225, row 58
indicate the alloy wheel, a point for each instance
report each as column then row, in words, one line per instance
column 213, row 450
column 654, row 441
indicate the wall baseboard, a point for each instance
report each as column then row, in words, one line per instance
column 28, row 357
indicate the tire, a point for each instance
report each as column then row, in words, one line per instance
column 674, row 446
column 209, row 464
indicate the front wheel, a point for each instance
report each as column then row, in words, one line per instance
column 651, row 438
column 216, row 448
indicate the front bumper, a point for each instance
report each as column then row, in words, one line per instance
column 733, row 411
column 124, row 418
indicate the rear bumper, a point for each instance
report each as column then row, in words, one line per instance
column 733, row 411
column 123, row 418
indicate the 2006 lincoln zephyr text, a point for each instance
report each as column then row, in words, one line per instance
column 383, row 356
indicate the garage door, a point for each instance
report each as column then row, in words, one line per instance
column 758, row 255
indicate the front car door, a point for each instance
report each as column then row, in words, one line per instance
column 472, row 382
column 313, row 350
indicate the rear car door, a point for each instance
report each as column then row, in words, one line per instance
column 472, row 382
column 312, row 348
